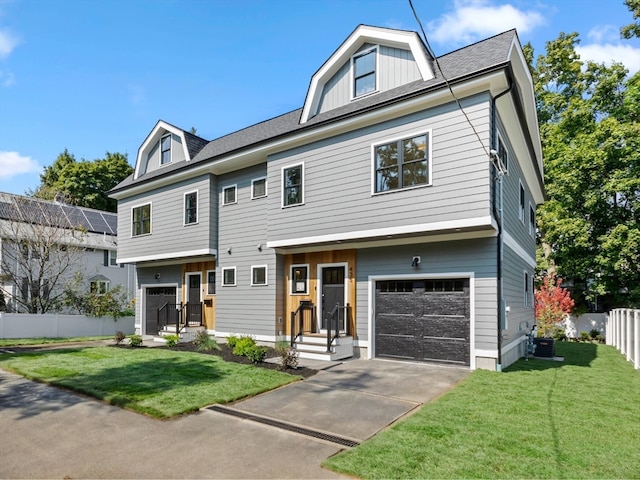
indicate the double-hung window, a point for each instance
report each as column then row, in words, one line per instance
column 522, row 202
column 526, row 289
column 190, row 208
column 229, row 195
column 364, row 73
column 503, row 155
column 165, row 150
column 402, row 163
column 293, row 184
column 259, row 188
column 141, row 224
column 532, row 220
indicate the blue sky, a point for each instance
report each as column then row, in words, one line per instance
column 94, row 76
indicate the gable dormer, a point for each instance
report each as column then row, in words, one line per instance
column 164, row 146
column 370, row 61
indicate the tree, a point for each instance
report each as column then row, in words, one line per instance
column 40, row 252
column 589, row 122
column 84, row 183
column 552, row 303
column 633, row 29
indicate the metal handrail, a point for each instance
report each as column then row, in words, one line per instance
column 334, row 319
column 297, row 320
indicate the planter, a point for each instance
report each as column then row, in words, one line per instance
column 545, row 347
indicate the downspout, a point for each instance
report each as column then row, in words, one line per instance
column 500, row 238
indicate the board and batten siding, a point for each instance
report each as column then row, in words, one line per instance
column 169, row 237
column 243, row 308
column 338, row 177
column 395, row 67
column 152, row 158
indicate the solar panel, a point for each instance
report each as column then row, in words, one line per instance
column 75, row 216
column 96, row 221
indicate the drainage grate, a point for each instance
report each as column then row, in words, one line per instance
column 286, row 426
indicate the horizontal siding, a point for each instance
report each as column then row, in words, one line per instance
column 338, row 177
column 152, row 161
column 520, row 318
column 169, row 235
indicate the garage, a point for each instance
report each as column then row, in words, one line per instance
column 425, row 320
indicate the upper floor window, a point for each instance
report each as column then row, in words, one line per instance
column 526, row 289
column 165, row 150
column 229, row 195
column 141, row 223
column 364, row 73
column 503, row 155
column 190, row 208
column 401, row 164
column 259, row 275
column 259, row 188
column 522, row 202
column 532, row 220
column 293, row 184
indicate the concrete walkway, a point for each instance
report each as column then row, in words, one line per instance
column 51, row 433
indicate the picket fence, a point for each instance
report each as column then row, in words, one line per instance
column 623, row 332
column 26, row 325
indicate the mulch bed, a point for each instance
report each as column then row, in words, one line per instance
column 227, row 355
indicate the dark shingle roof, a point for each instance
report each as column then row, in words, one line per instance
column 457, row 65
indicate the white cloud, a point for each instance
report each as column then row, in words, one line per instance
column 473, row 20
column 13, row 164
column 607, row 53
column 8, row 42
column 604, row 33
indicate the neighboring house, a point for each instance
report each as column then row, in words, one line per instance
column 411, row 210
column 43, row 245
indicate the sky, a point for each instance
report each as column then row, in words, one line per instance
column 94, row 76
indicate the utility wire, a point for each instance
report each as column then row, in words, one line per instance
column 446, row 81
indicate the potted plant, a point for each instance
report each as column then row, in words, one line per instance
column 552, row 304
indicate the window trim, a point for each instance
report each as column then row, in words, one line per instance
column 292, row 279
column 429, row 133
column 376, row 70
column 184, row 207
column 208, row 292
column 133, row 207
column 302, row 186
column 505, row 163
column 253, row 196
column 532, row 220
column 170, row 150
column 235, row 277
column 266, row 275
column 522, row 201
column 113, row 258
column 224, row 197
column 106, row 284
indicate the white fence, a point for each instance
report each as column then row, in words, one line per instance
column 25, row 325
column 623, row 332
column 586, row 322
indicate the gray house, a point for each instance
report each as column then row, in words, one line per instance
column 392, row 216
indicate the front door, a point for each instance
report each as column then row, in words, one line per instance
column 332, row 296
column 194, row 305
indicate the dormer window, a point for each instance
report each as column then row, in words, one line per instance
column 364, row 72
column 165, row 150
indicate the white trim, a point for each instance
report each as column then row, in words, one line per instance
column 235, row 277
column 224, row 197
column 186, row 284
column 160, row 164
column 184, row 207
column 511, row 242
column 532, row 225
column 214, row 284
column 376, row 71
column 170, row 255
column 253, row 197
column 474, row 222
column 143, row 302
column 417, row 133
column 513, row 344
column 290, row 286
column 150, row 220
column 371, row 292
column 487, row 353
column 266, row 276
column 288, row 167
column 153, row 137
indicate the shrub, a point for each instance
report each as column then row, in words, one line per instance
column 119, row 337
column 552, row 303
column 171, row 340
column 255, row 353
column 601, row 338
column 243, row 345
column 593, row 333
column 584, row 336
column 204, row 342
column 560, row 335
column 288, row 356
column 135, row 340
column 231, row 341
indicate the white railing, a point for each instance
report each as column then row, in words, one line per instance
column 26, row 325
column 623, row 332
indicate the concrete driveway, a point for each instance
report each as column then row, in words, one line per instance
column 51, row 433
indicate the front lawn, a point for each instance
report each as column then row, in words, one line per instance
column 154, row 381
column 537, row 419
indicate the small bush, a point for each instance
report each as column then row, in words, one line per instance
column 584, row 336
column 243, row 345
column 288, row 356
column 255, row 353
column 119, row 337
column 593, row 333
column 600, row 338
column 171, row 340
column 560, row 335
column 135, row 340
column 204, row 342
column 231, row 341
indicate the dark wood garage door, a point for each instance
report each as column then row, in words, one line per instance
column 423, row 320
column 156, row 297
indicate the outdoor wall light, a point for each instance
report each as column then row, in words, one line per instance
column 415, row 262
column 229, row 250
column 259, row 247
column 157, row 276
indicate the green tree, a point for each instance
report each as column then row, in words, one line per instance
column 590, row 225
column 633, row 29
column 84, row 183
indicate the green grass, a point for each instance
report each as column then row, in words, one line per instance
column 537, row 419
column 157, row 382
column 9, row 342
